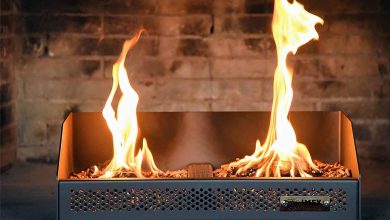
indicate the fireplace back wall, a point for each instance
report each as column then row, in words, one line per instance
column 197, row 55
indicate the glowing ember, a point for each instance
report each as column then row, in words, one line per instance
column 281, row 154
column 123, row 124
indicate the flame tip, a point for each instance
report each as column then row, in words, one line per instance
column 281, row 154
column 123, row 123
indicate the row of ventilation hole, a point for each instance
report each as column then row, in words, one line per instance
column 168, row 199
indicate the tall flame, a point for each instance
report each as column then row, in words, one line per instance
column 123, row 124
column 292, row 27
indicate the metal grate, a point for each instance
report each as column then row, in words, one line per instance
column 182, row 199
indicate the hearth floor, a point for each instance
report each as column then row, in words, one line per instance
column 28, row 191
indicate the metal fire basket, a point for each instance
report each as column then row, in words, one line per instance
column 177, row 139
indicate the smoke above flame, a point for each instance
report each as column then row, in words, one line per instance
column 281, row 154
column 123, row 123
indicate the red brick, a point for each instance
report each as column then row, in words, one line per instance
column 34, row 45
column 384, row 6
column 306, row 68
column 69, row 89
column 363, row 132
column 194, row 68
column 347, row 88
column 351, row 24
column 62, row 23
column 129, row 25
column 145, row 46
column 6, row 24
column 7, row 47
column 6, row 5
column 356, row 44
column 262, row 46
column 58, row 46
column 131, row 6
column 224, row 24
column 183, row 90
column 233, row 47
column 384, row 89
column 7, row 114
column 92, row 105
column 219, row 46
column 8, row 134
column 137, row 67
column 34, row 133
column 348, row 66
column 65, row 46
column 241, row 68
column 255, row 24
column 302, row 105
column 192, row 47
column 198, row 25
column 383, row 46
column 372, row 151
column 383, row 68
column 223, row 47
column 243, row 7
column 7, row 92
column 144, row 68
column 327, row 44
column 147, row 89
column 382, row 132
column 176, row 106
column 221, row 7
column 335, row 6
column 178, row 47
column 237, row 90
column 383, row 23
column 42, row 110
column 244, row 24
column 168, row 46
column 91, row 6
column 43, row 153
column 76, row 6
column 259, row 6
column 205, row 55
column 65, row 68
column 53, row 132
column 6, row 71
column 239, row 105
column 343, row 88
column 366, row 109
column 185, row 7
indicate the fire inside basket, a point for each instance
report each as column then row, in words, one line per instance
column 212, row 165
column 172, row 136
column 85, row 138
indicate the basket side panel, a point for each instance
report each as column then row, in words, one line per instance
column 202, row 199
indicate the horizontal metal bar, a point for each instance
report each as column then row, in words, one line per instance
column 202, row 199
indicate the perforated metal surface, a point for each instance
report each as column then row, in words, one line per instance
column 181, row 199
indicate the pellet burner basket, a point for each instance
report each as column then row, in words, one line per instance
column 177, row 139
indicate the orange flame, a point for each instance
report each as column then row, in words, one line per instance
column 123, row 124
column 292, row 27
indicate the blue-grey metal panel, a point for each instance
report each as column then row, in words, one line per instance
column 204, row 199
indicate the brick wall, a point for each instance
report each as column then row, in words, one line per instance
column 7, row 84
column 200, row 55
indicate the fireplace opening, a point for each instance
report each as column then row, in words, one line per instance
column 221, row 164
column 205, row 61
